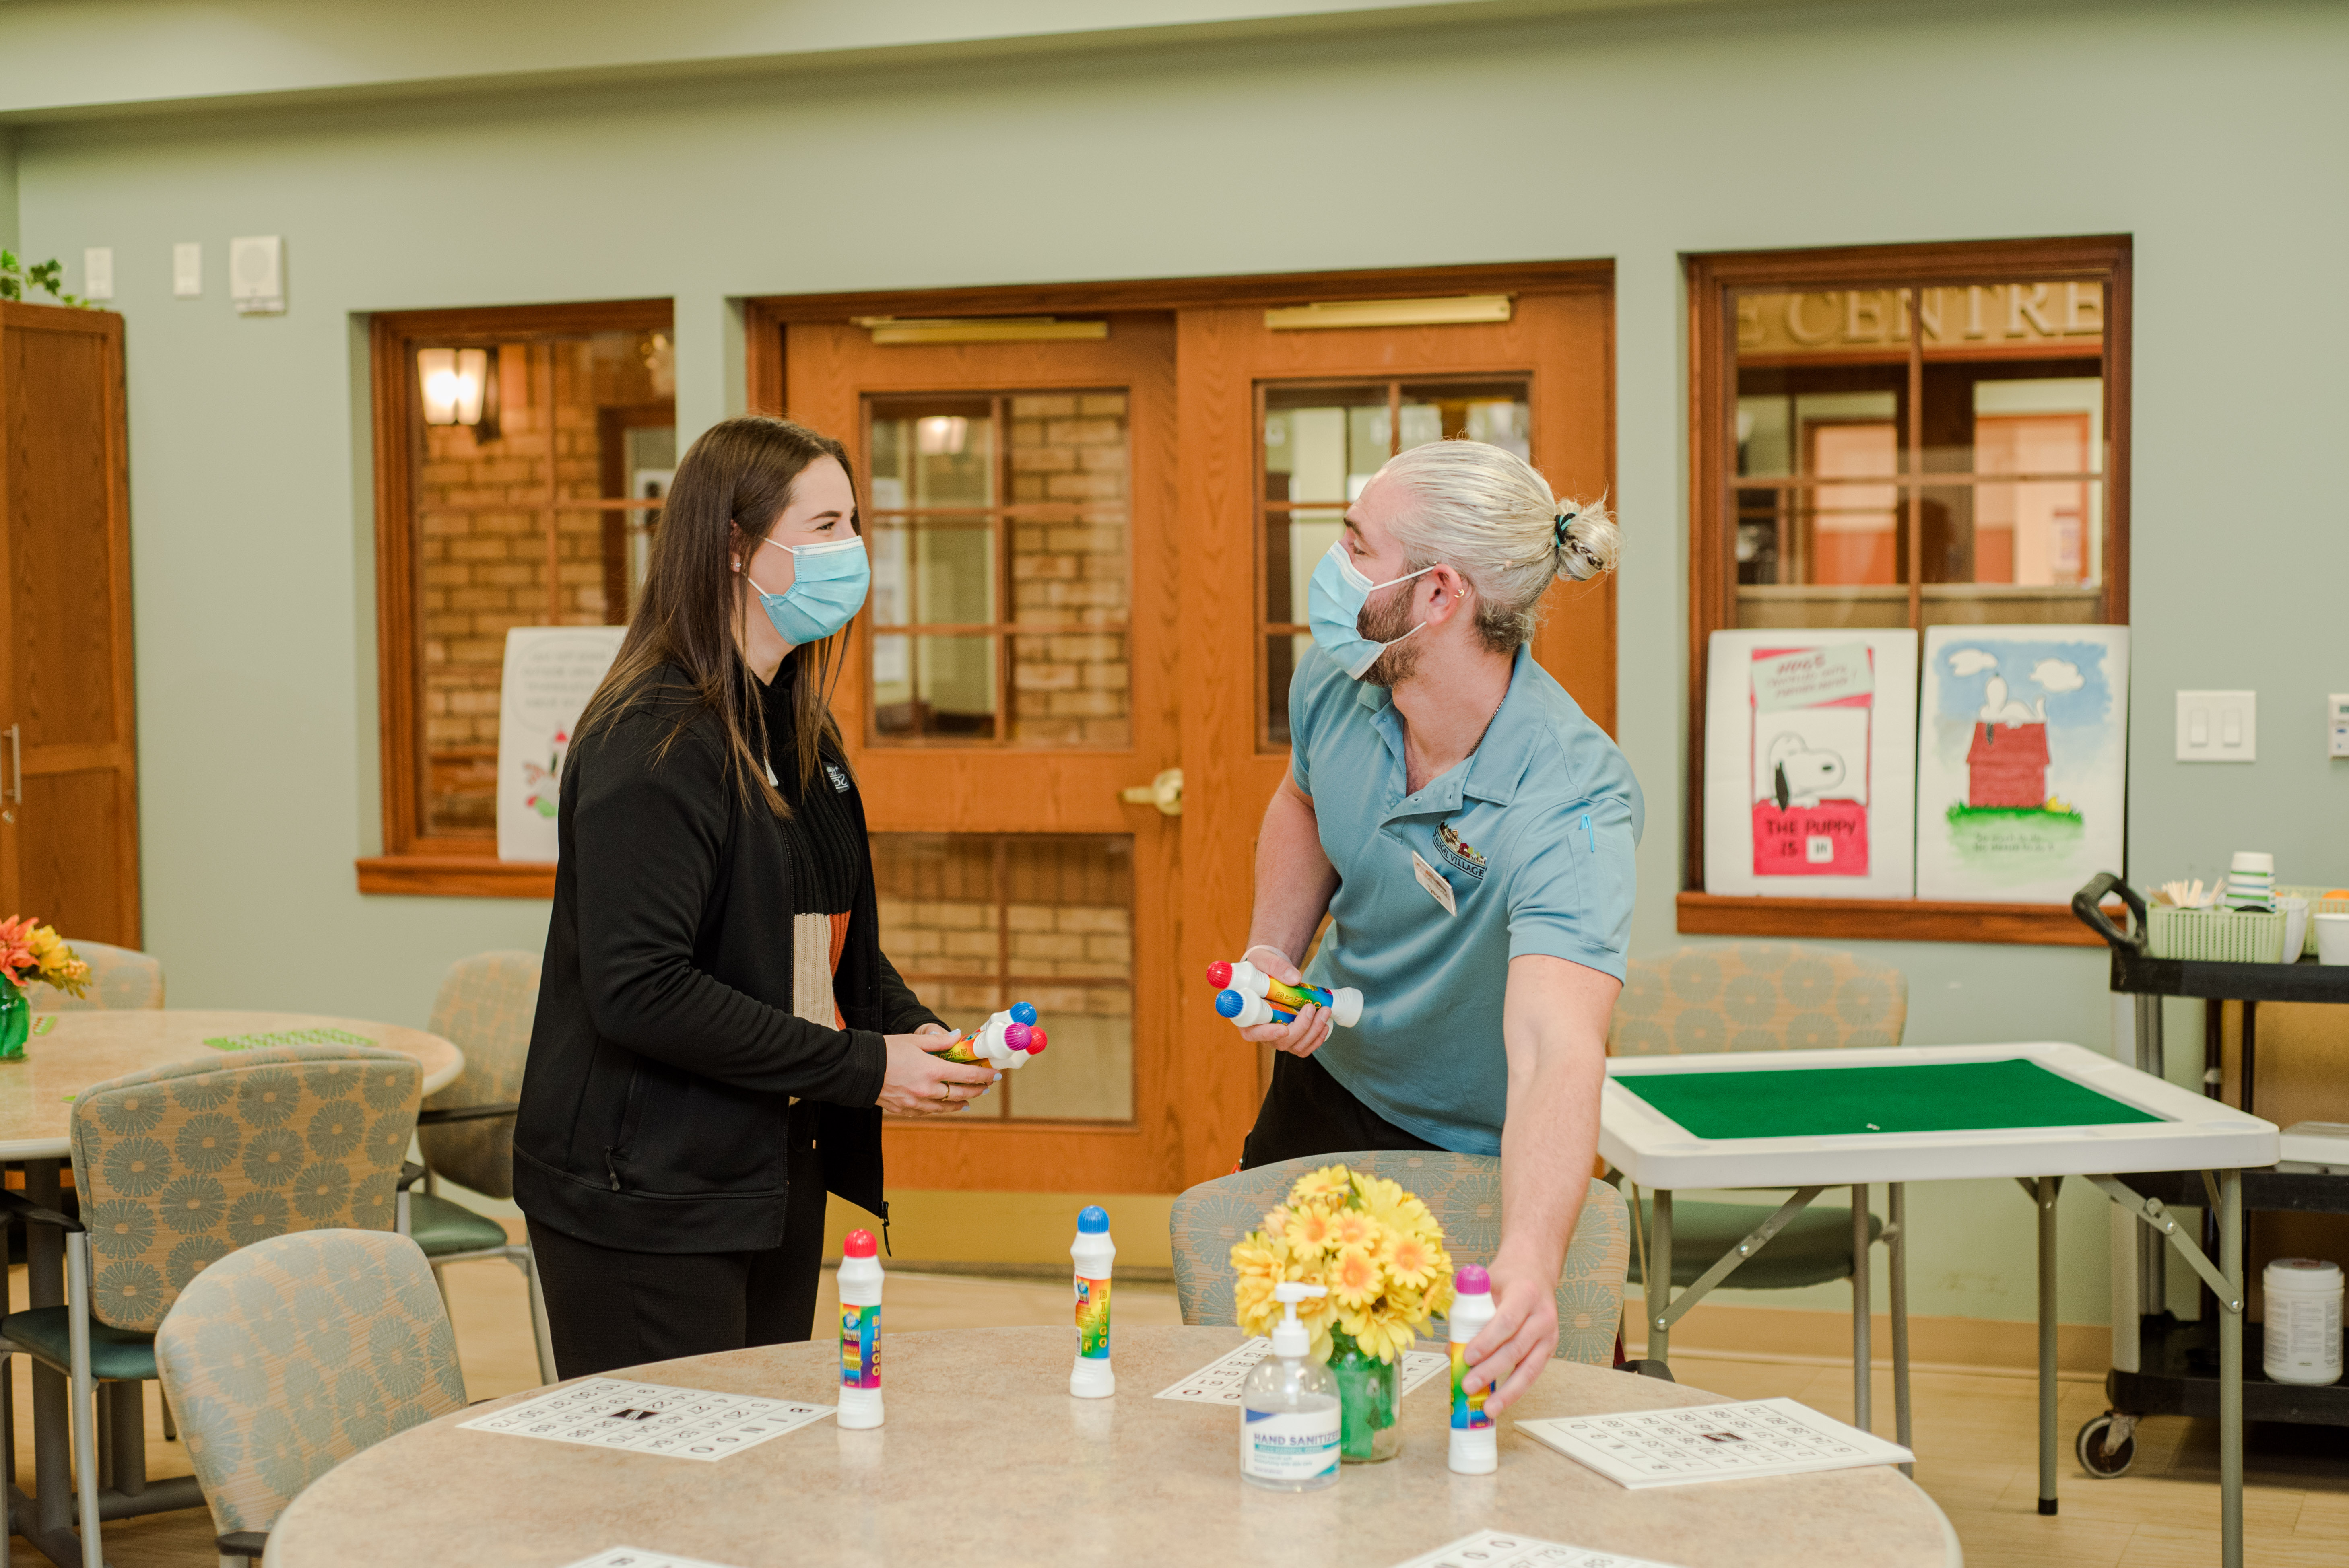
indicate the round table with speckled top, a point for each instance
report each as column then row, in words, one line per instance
column 986, row 1460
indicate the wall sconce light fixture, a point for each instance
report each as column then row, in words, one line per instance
column 456, row 383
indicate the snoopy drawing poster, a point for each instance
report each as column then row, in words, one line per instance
column 1810, row 754
column 2022, row 761
column 550, row 674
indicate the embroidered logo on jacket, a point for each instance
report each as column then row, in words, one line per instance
column 1459, row 851
column 838, row 776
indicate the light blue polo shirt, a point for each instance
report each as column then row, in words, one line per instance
column 1532, row 835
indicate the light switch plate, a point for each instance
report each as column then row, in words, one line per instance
column 188, row 268
column 97, row 273
column 2336, row 725
column 2218, row 726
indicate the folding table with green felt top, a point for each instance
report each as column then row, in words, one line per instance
column 2036, row 1112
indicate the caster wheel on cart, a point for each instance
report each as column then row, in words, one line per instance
column 2099, row 1455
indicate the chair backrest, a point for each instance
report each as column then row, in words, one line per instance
column 1757, row 996
column 179, row 1166
column 485, row 1007
column 290, row 1355
column 120, row 977
column 1463, row 1191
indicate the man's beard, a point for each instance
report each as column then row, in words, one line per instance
column 1384, row 624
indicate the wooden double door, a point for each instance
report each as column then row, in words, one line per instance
column 69, row 777
column 1091, row 515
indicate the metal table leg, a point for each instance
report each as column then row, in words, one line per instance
column 2230, row 1372
column 2048, row 1188
column 1657, row 1287
column 52, row 1527
column 1862, row 1374
column 1896, row 1265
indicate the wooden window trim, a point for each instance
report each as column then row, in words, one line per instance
column 413, row 862
column 1713, row 373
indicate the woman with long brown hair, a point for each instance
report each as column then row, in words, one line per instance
column 718, row 1030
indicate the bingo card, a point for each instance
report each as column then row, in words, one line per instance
column 650, row 1418
column 1712, row 1442
column 1219, row 1382
column 1492, row 1548
column 638, row 1557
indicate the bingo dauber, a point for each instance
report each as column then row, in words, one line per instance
column 1247, row 996
column 1005, row 1041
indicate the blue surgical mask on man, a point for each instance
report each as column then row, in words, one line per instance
column 828, row 586
column 1333, row 606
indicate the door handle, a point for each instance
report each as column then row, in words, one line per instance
column 1165, row 792
column 15, row 793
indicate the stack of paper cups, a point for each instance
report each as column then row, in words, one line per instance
column 2250, row 881
column 2302, row 1336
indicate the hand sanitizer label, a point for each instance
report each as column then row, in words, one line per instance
column 1288, row 1445
column 1092, row 1318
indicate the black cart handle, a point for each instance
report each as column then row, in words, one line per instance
column 2088, row 903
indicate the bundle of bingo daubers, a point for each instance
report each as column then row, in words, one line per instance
column 1248, row 997
column 1004, row 1042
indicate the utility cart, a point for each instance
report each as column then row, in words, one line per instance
column 2163, row 1366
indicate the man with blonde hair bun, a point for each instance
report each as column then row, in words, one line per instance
column 1470, row 834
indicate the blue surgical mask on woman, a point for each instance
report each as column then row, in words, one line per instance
column 828, row 586
column 1333, row 605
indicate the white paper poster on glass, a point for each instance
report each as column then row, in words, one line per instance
column 550, row 674
column 2022, row 761
column 1810, row 747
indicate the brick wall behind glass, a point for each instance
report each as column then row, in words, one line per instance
column 482, row 570
column 1074, row 688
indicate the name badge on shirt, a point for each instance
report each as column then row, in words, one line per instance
column 1432, row 881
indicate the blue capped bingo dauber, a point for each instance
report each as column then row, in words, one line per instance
column 1004, row 1042
column 1247, row 996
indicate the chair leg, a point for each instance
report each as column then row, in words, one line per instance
column 440, row 1284
column 170, row 1426
column 84, row 1417
column 538, row 1329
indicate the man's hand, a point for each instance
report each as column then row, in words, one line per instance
column 1513, row 1349
column 1301, row 1036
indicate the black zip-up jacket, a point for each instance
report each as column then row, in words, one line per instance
column 666, row 1054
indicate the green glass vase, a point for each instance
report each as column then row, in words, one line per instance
column 15, row 1020
column 1367, row 1395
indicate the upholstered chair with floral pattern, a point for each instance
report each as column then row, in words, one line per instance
column 466, row 1130
column 1767, row 996
column 1464, row 1192
column 179, row 1166
column 286, row 1357
column 120, row 977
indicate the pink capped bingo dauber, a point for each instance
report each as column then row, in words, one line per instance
column 1247, row 996
column 1004, row 1042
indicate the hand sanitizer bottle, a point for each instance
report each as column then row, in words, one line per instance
column 1091, row 1377
column 860, row 1332
column 1474, row 1446
column 1289, row 1408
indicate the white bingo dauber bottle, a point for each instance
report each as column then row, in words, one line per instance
column 1092, row 1377
column 860, row 1332
column 1475, row 1445
column 1289, row 1408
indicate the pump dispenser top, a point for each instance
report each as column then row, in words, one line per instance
column 1289, row 1338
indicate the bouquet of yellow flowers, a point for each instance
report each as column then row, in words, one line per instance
column 1374, row 1245
column 30, row 953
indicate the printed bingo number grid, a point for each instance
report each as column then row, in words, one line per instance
column 1492, row 1548
column 638, row 1557
column 1712, row 1442
column 1219, row 1382
column 647, row 1417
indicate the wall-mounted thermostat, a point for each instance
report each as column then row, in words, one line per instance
column 2336, row 725
column 256, row 275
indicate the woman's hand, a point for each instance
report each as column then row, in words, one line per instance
column 1303, row 1035
column 918, row 1083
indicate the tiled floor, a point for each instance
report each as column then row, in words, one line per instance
column 1975, row 1433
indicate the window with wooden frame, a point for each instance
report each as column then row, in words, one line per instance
column 521, row 455
column 1902, row 436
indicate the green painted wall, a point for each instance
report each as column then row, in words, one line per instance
column 2217, row 136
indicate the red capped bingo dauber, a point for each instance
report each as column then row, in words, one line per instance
column 1247, row 996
